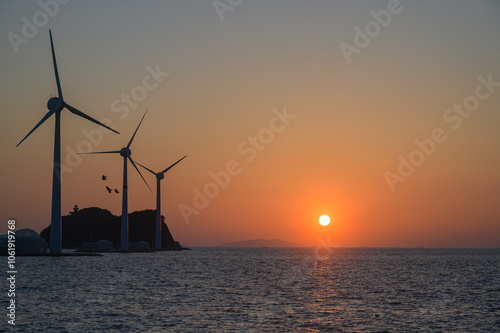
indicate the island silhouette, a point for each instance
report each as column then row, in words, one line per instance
column 94, row 224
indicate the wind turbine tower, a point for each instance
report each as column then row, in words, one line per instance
column 159, row 177
column 55, row 106
column 125, row 153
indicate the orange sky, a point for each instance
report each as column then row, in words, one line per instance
column 227, row 81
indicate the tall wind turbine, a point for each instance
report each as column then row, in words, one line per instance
column 55, row 106
column 159, row 177
column 125, row 153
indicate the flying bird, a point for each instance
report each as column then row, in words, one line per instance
column 109, row 190
column 116, row 191
column 104, row 177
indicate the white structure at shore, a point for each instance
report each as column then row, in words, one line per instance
column 26, row 241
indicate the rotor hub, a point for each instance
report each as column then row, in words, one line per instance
column 160, row 175
column 53, row 102
column 125, row 152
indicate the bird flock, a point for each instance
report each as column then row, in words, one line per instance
column 104, row 177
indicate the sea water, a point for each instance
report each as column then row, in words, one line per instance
column 261, row 290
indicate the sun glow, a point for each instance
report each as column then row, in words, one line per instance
column 324, row 220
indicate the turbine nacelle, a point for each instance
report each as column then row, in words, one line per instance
column 160, row 175
column 55, row 101
column 125, row 152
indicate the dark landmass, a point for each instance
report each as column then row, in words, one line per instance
column 93, row 224
column 262, row 243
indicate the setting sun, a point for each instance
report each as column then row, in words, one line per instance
column 324, row 220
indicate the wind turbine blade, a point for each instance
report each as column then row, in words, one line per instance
column 128, row 146
column 154, row 173
column 47, row 116
column 170, row 167
column 132, row 161
column 59, row 90
column 101, row 152
column 83, row 115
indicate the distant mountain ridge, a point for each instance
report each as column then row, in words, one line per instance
column 261, row 243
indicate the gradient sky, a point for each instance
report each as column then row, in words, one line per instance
column 353, row 119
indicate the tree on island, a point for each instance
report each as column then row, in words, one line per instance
column 93, row 224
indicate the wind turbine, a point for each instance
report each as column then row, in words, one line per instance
column 55, row 106
column 125, row 153
column 159, row 177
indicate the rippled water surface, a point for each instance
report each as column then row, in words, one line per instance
column 262, row 290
